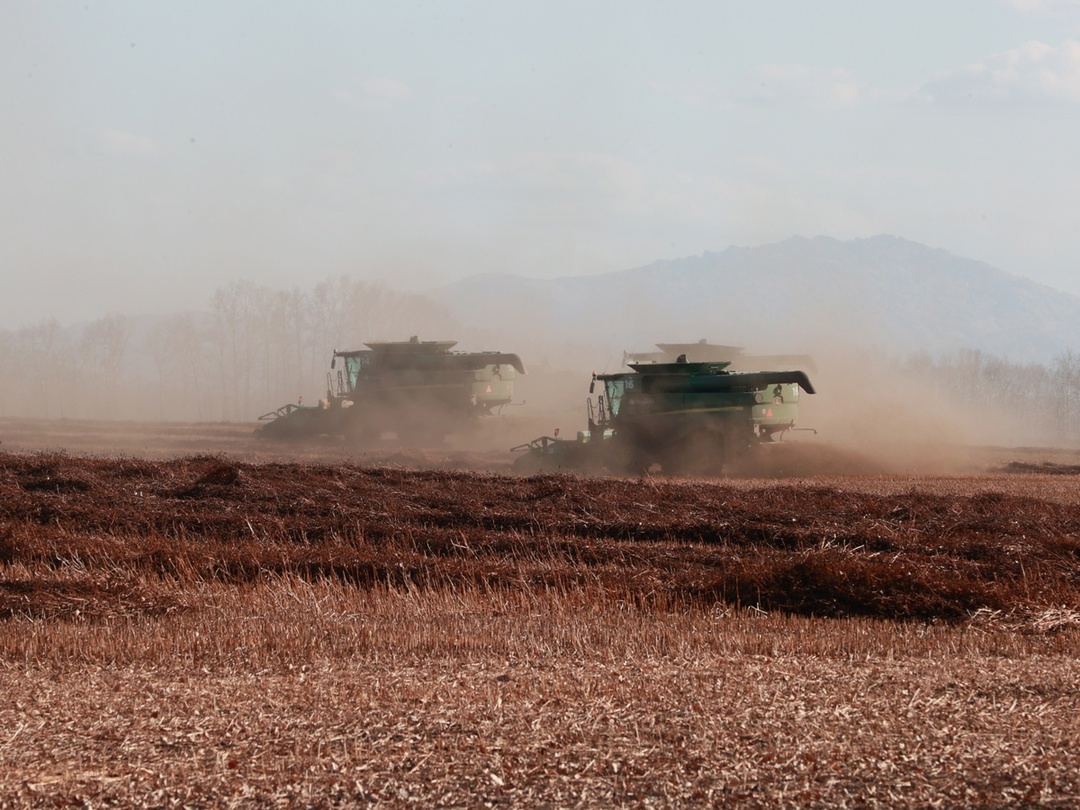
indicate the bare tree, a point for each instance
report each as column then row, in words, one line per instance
column 10, row 372
column 1065, row 396
column 47, row 370
column 238, row 326
column 103, row 349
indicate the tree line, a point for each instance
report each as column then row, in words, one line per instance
column 257, row 348
column 1039, row 402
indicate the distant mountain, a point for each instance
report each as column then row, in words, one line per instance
column 791, row 296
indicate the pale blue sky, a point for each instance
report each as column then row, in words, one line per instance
column 152, row 152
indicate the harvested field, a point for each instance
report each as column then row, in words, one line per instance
column 226, row 624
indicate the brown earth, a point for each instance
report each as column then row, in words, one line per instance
column 192, row 616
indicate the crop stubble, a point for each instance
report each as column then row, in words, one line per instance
column 202, row 630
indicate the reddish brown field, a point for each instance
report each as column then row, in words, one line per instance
column 192, row 617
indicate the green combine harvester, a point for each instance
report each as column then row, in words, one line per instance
column 686, row 418
column 417, row 390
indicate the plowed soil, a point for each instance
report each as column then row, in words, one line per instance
column 191, row 616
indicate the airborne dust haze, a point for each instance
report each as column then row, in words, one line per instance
column 258, row 349
column 391, row 149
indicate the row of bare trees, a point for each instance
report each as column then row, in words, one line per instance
column 1040, row 403
column 255, row 349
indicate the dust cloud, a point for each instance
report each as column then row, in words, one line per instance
column 869, row 416
column 885, row 416
column 145, row 386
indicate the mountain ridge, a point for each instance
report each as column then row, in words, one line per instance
column 883, row 291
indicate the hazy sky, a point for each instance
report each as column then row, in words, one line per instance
column 152, row 151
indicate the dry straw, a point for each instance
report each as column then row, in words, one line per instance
column 203, row 632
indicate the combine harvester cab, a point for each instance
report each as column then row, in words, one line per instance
column 417, row 390
column 686, row 418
